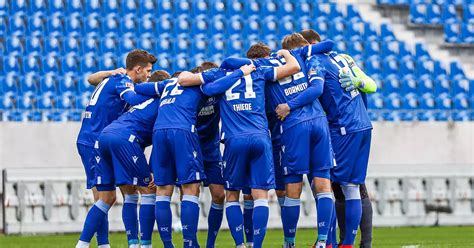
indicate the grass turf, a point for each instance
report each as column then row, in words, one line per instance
column 383, row 237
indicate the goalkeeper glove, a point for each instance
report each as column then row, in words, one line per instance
column 349, row 82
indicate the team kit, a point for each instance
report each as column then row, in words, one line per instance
column 284, row 116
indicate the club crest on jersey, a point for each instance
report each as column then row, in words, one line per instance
column 129, row 85
column 135, row 158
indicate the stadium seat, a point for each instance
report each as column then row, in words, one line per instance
column 455, row 69
column 71, row 44
column 452, row 32
column 467, row 32
column 200, row 7
column 74, row 7
column 418, row 13
column 352, row 14
column 36, row 24
column 181, row 62
column 29, row 83
column 52, row 44
column 304, row 23
column 252, row 26
column 460, row 115
column 410, row 101
column 112, row 25
column 34, row 45
column 449, row 14
column 128, row 24
column 420, row 52
column 286, row 26
column 164, row 24
column 147, row 7
column 468, row 12
column 442, row 84
column 83, row 85
column 15, row 116
column 146, row 42
column 182, row 25
column 181, row 7
column 375, row 101
column 393, row 101
column 109, row 44
column 127, row 44
column 461, row 101
column 337, row 29
column 460, row 85
column 434, row 14
column 11, row 63
column 270, row 25
column 425, row 84
column 32, row 63
column 90, row 44
column 235, row 45
column 252, row 7
column 50, row 63
column 10, row 84
column 8, row 101
column 164, row 61
column 108, row 62
column 56, row 6
column 270, row 7
column 165, row 6
column 48, row 83
column 164, row 43
column 146, row 24
column 218, row 25
column 199, row 44
column 55, row 24
column 443, row 101
column 285, row 8
column 38, row 6
column 26, row 101
column 45, row 101
column 373, row 66
column 93, row 7
column 74, row 115
column 56, row 116
column 390, row 66
column 17, row 24
column 372, row 48
column 65, row 101
column 182, row 44
column 111, row 6
column 92, row 23
column 82, row 100
column 70, row 63
column 424, row 66
column 386, row 32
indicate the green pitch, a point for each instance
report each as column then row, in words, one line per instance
column 412, row 237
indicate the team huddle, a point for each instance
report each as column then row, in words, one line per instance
column 280, row 116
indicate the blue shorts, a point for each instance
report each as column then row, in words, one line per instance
column 279, row 181
column 214, row 173
column 307, row 148
column 122, row 162
column 248, row 163
column 176, row 157
column 88, row 156
column 352, row 157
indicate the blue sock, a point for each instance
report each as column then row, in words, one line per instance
column 95, row 218
column 260, row 221
column 130, row 217
column 324, row 212
column 235, row 219
column 214, row 221
column 190, row 220
column 103, row 232
column 163, row 219
column 332, row 235
column 248, row 220
column 281, row 203
column 353, row 212
column 147, row 218
column 291, row 213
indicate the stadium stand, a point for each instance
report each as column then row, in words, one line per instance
column 60, row 43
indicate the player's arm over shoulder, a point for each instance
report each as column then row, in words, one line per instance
column 367, row 85
column 97, row 77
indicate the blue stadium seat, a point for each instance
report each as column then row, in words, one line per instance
column 270, row 7
column 421, row 52
column 55, row 24
column 70, row 63
column 461, row 85
column 3, row 25
column 146, row 24
column 73, row 24
column 410, row 101
column 165, row 6
column 71, row 44
column 252, row 7
column 92, row 23
column 418, row 13
column 147, row 7
column 50, row 63
column 352, row 14
column 90, row 44
column 235, row 46
column 369, row 32
column 182, row 7
column 111, row 24
column 390, row 66
column 386, row 32
column 393, row 101
column 449, row 14
column 164, row 61
column 443, row 101
column 375, row 101
column 34, row 115
column 48, row 83
column 468, row 12
column 56, row 6
column 467, row 32
column 427, row 101
column 74, row 7
column 127, row 44
column 45, row 101
column 442, row 85
column 82, row 99
column 455, row 69
column 286, row 26
column 373, row 66
column 327, row 9
column 199, row 44
column 29, row 83
column 452, row 32
column 11, row 63
column 218, row 25
column 355, row 30
column 26, row 101
column 270, row 25
column 434, row 14
column 74, row 115
column 391, row 48
column 32, row 63
column 407, row 66
column 56, row 116
column 8, row 101
column 128, row 24
column 146, row 42
column 182, row 24
column 461, row 101
column 18, row 7
column 217, row 45
column 181, row 62
column 52, row 44
column 460, row 115
column 304, row 23
column 108, row 62
column 109, row 44
column 272, row 42
column 89, row 63
column 409, row 84
column 164, row 43
column 111, row 6
column 93, row 7
column 164, row 24
column 337, row 29
column 65, row 101
column 372, row 48
column 285, row 8
column 10, row 84
column 17, row 24
column 425, row 84
column 200, row 7
column 36, row 24
column 303, row 8
column 200, row 25
column 83, row 85
column 4, row 6
column 182, row 44
column 15, row 116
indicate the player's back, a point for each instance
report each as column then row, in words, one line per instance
column 138, row 121
column 346, row 111
column 290, row 87
column 243, row 104
column 105, row 106
column 178, row 105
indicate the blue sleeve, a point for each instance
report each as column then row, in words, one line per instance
column 364, row 99
column 132, row 98
column 320, row 47
column 221, row 85
column 124, row 85
column 234, row 63
column 313, row 92
column 148, row 89
column 210, row 75
column 269, row 73
column 316, row 69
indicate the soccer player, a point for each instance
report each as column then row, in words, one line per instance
column 247, row 154
column 349, row 125
column 299, row 157
column 108, row 101
column 176, row 157
column 313, row 37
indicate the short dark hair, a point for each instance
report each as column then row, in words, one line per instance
column 139, row 57
column 293, row 41
column 176, row 74
column 196, row 69
column 311, row 36
column 206, row 65
column 259, row 50
column 159, row 75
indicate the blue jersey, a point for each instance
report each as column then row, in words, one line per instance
column 138, row 121
column 286, row 89
column 106, row 105
column 208, row 129
column 243, row 104
column 179, row 105
column 345, row 111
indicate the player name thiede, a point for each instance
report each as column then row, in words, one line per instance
column 242, row 107
column 296, row 89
